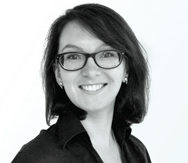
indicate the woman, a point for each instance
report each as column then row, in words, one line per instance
column 95, row 79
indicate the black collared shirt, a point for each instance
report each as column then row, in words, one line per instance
column 68, row 142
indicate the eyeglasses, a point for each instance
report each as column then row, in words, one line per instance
column 107, row 59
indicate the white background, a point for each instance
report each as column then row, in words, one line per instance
column 162, row 28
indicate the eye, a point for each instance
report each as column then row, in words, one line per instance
column 109, row 54
column 73, row 56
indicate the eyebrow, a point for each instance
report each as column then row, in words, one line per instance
column 71, row 46
column 81, row 49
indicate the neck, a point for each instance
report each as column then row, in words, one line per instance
column 99, row 127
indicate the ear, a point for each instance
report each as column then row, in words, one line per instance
column 126, row 71
column 125, row 75
column 57, row 73
column 125, row 78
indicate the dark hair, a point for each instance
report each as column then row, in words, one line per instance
column 111, row 28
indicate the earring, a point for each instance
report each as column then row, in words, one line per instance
column 125, row 80
column 61, row 84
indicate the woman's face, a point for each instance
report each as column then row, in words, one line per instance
column 83, row 86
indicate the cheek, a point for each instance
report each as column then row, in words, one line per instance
column 70, row 86
column 117, row 79
column 117, row 75
column 70, row 91
column 67, row 77
column 117, row 85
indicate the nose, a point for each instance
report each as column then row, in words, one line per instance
column 90, row 69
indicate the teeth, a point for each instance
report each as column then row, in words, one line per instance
column 92, row 87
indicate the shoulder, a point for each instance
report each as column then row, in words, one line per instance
column 37, row 149
column 137, row 149
column 136, row 143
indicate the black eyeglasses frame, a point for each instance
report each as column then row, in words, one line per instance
column 92, row 55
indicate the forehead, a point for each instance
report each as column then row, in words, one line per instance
column 76, row 34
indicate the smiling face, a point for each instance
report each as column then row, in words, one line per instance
column 90, row 88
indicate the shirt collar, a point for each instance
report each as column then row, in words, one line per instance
column 69, row 126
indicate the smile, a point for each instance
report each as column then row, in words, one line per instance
column 92, row 87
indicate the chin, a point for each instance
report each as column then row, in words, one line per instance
column 96, row 108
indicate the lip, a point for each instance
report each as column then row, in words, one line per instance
column 92, row 92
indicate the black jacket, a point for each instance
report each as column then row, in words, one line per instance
column 67, row 142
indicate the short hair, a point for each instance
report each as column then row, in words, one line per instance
column 107, row 25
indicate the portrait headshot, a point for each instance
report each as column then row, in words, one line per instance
column 92, row 85
column 95, row 80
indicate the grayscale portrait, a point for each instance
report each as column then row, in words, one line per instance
column 93, row 81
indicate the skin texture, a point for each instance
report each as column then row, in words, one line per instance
column 77, row 39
